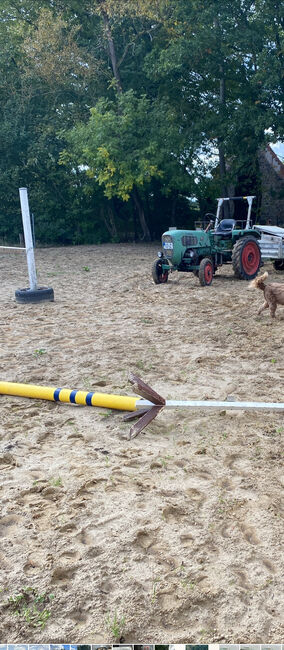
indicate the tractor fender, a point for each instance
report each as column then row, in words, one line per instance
column 249, row 233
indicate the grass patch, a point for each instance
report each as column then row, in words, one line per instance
column 115, row 625
column 56, row 482
column 40, row 352
column 31, row 606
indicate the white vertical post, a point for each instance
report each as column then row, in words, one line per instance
column 220, row 203
column 249, row 200
column 28, row 237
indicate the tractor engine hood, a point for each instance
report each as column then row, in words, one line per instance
column 174, row 240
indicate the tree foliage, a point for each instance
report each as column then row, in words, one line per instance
column 115, row 113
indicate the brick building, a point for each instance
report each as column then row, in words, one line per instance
column 272, row 187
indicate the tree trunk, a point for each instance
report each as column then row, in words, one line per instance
column 222, row 167
column 222, row 106
column 115, row 69
column 174, row 206
column 112, row 51
column 222, row 160
column 141, row 214
column 109, row 220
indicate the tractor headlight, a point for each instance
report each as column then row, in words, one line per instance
column 191, row 254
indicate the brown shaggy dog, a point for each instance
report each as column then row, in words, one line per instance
column 273, row 293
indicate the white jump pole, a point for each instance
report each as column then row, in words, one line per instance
column 28, row 237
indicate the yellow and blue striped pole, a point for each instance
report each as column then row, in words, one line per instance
column 117, row 402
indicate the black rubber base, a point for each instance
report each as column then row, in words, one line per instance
column 40, row 294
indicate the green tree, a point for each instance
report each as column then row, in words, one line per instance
column 205, row 63
column 126, row 144
column 182, row 94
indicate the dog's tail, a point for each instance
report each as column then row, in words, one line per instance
column 258, row 283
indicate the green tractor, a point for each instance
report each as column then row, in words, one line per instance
column 202, row 251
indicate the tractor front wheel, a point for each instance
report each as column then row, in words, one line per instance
column 278, row 265
column 206, row 272
column 159, row 276
column 246, row 258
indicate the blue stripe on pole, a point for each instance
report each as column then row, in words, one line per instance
column 89, row 399
column 56, row 394
column 72, row 396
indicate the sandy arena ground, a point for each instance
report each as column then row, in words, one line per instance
column 178, row 533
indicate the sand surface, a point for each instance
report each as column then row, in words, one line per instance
column 178, row 533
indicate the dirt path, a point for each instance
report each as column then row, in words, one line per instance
column 178, row 533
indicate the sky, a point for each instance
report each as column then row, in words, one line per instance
column 278, row 148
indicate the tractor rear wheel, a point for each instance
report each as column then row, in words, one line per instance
column 206, row 272
column 278, row 265
column 159, row 276
column 246, row 258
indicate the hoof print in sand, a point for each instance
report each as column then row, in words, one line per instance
column 9, row 525
column 7, row 460
column 173, row 514
column 90, row 487
column 70, row 555
column 249, row 534
column 268, row 565
column 61, row 575
column 85, row 537
column 78, row 616
column 35, row 563
column 195, row 495
column 68, row 528
column 144, row 540
column 186, row 540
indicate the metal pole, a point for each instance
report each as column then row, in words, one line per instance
column 212, row 404
column 152, row 403
column 13, row 248
column 220, row 203
column 28, row 237
column 249, row 200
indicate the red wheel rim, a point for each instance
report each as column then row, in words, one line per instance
column 208, row 273
column 250, row 258
column 163, row 277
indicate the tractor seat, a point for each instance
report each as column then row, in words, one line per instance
column 225, row 227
